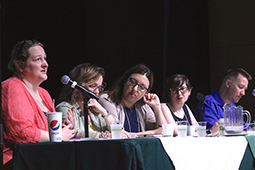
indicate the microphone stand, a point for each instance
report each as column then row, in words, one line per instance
column 201, row 111
column 201, row 99
column 86, row 113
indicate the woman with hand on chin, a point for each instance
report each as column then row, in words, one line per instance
column 24, row 103
column 130, row 102
column 179, row 89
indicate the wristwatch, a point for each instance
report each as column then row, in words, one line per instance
column 208, row 131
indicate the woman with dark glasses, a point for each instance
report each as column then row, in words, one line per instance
column 179, row 89
column 90, row 77
column 130, row 102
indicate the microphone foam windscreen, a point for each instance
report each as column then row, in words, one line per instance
column 200, row 97
column 253, row 92
column 65, row 79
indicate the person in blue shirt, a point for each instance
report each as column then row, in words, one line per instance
column 232, row 89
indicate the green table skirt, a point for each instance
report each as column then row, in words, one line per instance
column 123, row 154
column 248, row 162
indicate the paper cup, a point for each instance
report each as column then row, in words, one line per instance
column 168, row 130
column 55, row 126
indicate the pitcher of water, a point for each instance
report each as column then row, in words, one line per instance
column 233, row 118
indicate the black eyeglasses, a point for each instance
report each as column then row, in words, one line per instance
column 133, row 82
column 177, row 90
column 100, row 88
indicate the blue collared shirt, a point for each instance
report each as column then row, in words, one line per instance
column 213, row 108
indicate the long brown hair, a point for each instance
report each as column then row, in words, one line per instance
column 116, row 92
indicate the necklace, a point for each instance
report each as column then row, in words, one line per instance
column 129, row 126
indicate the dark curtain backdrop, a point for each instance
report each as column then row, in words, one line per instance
column 169, row 36
column 121, row 34
column 186, row 45
column 115, row 35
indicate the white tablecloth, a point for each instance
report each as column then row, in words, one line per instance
column 207, row 153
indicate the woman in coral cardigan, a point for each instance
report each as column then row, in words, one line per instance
column 24, row 103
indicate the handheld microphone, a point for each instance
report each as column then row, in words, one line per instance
column 66, row 80
column 253, row 92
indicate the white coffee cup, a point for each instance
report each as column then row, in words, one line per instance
column 55, row 126
column 116, row 130
column 168, row 130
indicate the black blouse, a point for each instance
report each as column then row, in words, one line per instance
column 186, row 115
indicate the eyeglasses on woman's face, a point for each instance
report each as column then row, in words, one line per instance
column 94, row 87
column 177, row 90
column 133, row 82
